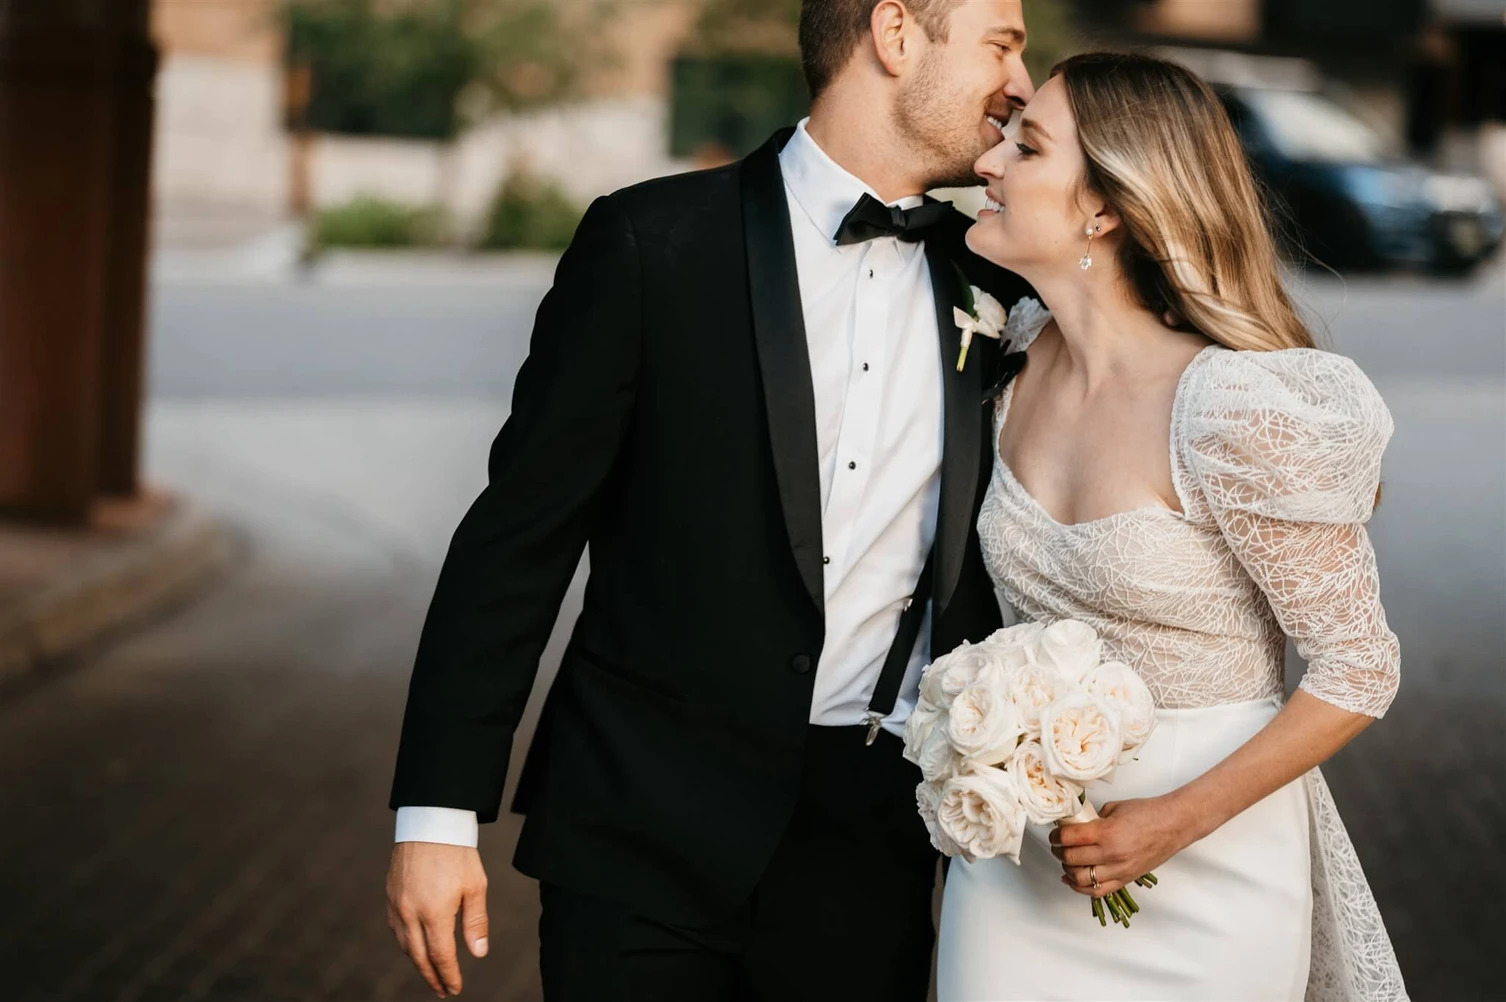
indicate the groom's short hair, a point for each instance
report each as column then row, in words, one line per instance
column 831, row 29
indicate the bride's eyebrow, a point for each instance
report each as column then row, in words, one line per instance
column 1034, row 126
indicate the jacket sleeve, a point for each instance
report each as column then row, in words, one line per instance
column 516, row 550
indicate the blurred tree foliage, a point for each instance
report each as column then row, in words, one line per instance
column 737, row 80
column 1051, row 30
column 740, row 78
column 766, row 26
column 406, row 67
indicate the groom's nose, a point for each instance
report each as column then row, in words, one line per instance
column 1018, row 89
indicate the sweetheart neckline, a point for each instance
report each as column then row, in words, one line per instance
column 1001, row 464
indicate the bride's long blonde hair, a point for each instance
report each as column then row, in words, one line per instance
column 1197, row 235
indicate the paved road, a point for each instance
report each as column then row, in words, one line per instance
column 198, row 812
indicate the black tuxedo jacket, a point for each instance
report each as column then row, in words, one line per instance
column 665, row 416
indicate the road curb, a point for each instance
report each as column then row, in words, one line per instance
column 107, row 583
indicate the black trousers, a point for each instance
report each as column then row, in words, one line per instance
column 843, row 910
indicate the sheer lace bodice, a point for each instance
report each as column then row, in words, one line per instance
column 1275, row 457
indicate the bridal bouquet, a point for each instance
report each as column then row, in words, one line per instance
column 1009, row 730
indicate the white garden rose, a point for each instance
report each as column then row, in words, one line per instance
column 1080, row 737
column 1117, row 684
column 1031, row 688
column 931, row 692
column 980, row 811
column 918, row 726
column 927, row 800
column 982, row 722
column 1015, row 645
column 937, row 759
column 951, row 673
column 1045, row 797
column 1071, row 647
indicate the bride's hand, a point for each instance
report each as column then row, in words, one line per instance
column 1130, row 839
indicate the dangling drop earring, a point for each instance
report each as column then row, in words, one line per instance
column 1087, row 256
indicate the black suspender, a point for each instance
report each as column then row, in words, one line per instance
column 898, row 658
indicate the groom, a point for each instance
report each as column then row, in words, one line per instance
column 743, row 393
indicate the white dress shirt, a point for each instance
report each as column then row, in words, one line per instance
column 875, row 357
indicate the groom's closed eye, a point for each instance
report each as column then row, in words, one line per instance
column 1007, row 39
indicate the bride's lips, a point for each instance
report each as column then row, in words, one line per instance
column 991, row 206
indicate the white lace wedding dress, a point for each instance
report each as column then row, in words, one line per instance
column 1275, row 457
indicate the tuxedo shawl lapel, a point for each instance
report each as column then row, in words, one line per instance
column 962, row 437
column 783, row 357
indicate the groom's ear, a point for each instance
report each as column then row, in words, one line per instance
column 892, row 27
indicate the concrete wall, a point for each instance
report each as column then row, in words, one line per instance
column 219, row 135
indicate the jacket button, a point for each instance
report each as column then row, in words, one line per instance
column 800, row 664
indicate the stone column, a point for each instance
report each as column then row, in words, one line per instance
column 72, row 240
column 123, row 341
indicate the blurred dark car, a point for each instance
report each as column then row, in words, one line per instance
column 1355, row 199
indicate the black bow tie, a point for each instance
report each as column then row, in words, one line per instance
column 871, row 218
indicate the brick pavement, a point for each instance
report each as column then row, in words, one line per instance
column 199, row 812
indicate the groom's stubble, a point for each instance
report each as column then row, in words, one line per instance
column 935, row 118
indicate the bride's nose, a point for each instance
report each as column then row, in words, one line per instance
column 990, row 166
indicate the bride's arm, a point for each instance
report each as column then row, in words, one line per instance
column 1322, row 584
column 1290, row 488
column 1133, row 837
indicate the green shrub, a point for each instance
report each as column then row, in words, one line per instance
column 367, row 221
column 394, row 74
column 530, row 213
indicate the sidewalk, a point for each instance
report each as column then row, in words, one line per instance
column 63, row 589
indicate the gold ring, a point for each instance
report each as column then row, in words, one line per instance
column 1093, row 876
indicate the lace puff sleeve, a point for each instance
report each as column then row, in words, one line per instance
column 1284, row 450
column 1026, row 319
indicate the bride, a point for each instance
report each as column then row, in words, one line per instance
column 1126, row 201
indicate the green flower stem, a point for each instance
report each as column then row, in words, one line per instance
column 1113, row 907
column 1121, row 905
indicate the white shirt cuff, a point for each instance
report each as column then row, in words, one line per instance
column 446, row 825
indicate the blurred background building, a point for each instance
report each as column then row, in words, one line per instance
column 491, row 122
column 267, row 271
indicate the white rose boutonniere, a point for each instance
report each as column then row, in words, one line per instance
column 985, row 315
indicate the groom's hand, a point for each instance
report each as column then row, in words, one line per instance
column 427, row 883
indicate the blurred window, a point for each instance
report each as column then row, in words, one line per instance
column 1306, row 126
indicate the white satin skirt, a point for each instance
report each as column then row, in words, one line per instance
column 1230, row 919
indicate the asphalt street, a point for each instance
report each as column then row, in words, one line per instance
column 198, row 810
